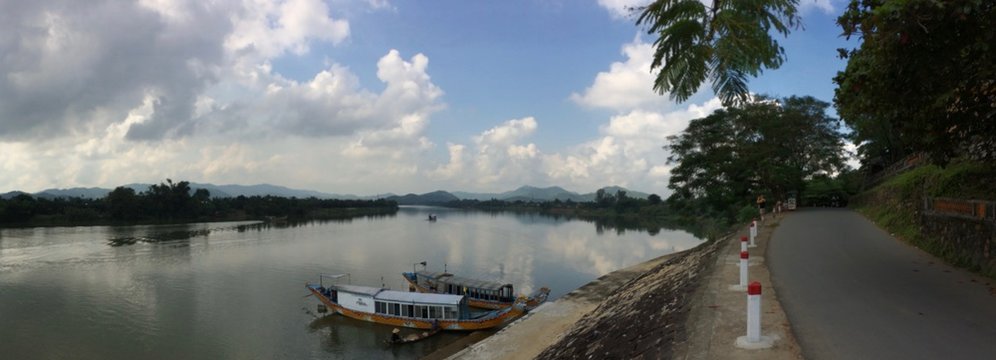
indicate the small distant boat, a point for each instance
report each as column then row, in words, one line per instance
column 432, row 217
column 408, row 309
column 480, row 294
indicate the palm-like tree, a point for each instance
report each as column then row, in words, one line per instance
column 723, row 43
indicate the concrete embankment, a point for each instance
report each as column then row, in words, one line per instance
column 622, row 304
column 674, row 306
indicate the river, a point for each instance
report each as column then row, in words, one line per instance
column 236, row 290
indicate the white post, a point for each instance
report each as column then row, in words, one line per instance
column 743, row 268
column 743, row 243
column 754, row 312
column 753, row 232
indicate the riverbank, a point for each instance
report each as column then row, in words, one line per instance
column 315, row 215
column 675, row 306
column 609, row 311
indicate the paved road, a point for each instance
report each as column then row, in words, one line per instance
column 851, row 291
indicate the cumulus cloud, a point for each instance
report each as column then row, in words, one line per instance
column 105, row 92
column 333, row 103
column 826, row 6
column 70, row 64
column 271, row 28
column 500, row 156
column 621, row 9
column 629, row 151
column 626, row 85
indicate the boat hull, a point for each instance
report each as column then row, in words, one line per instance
column 418, row 323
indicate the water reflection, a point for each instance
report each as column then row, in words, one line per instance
column 234, row 290
column 129, row 235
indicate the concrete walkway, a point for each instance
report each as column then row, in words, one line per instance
column 718, row 315
column 853, row 291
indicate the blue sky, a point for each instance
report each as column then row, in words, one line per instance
column 352, row 96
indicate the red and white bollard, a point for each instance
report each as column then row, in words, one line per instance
column 754, row 312
column 753, row 232
column 743, row 243
column 754, row 340
column 743, row 268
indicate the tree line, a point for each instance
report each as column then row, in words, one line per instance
column 922, row 81
column 177, row 202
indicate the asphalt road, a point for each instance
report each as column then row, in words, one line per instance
column 851, row 291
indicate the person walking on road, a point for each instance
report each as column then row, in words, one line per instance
column 760, row 205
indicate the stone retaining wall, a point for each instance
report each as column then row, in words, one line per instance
column 964, row 231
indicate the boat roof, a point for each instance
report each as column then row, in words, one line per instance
column 419, row 298
column 358, row 289
column 402, row 296
column 462, row 281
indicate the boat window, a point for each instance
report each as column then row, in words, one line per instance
column 379, row 307
column 395, row 309
column 421, row 311
column 408, row 310
column 450, row 313
column 434, row 312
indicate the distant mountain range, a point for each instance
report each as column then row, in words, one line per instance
column 219, row 191
column 524, row 193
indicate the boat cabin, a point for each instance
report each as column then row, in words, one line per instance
column 401, row 303
column 446, row 283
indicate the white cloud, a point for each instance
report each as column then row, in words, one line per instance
column 507, row 133
column 626, row 85
column 271, row 28
column 198, row 98
column 500, row 157
column 628, row 152
column 379, row 4
column 621, row 9
column 826, row 6
column 198, row 90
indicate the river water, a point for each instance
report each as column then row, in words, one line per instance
column 236, row 290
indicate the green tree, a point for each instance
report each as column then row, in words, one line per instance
column 20, row 208
column 763, row 147
column 922, row 79
column 723, row 43
column 123, row 203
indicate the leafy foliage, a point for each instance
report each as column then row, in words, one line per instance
column 922, row 79
column 724, row 43
column 175, row 202
column 764, row 147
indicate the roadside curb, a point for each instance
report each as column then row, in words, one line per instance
column 718, row 314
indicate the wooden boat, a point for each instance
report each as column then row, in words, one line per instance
column 479, row 293
column 409, row 309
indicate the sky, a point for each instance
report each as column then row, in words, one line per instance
column 354, row 96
